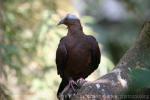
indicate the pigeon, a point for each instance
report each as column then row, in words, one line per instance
column 77, row 55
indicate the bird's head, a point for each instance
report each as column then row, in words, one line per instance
column 70, row 20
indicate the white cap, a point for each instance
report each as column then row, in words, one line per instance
column 71, row 16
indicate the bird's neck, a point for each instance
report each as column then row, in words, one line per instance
column 75, row 29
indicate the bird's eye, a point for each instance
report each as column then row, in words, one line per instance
column 66, row 19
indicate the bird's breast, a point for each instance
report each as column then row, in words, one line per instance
column 79, row 59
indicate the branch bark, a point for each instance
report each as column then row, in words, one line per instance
column 111, row 84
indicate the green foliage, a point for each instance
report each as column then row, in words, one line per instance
column 29, row 34
column 139, row 83
column 4, row 93
column 140, row 78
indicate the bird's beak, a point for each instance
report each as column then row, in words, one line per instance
column 61, row 22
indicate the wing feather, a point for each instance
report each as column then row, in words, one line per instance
column 95, row 53
column 61, row 58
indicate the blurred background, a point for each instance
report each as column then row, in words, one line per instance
column 29, row 37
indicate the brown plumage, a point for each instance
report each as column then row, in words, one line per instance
column 78, row 55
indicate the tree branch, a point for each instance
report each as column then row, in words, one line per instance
column 111, row 84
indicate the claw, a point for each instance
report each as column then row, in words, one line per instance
column 72, row 83
column 81, row 81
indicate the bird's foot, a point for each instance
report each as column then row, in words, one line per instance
column 69, row 90
column 81, row 81
column 73, row 85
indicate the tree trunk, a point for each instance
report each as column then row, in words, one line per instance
column 110, row 85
